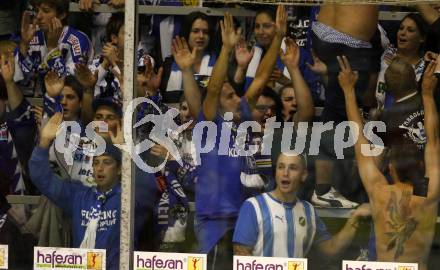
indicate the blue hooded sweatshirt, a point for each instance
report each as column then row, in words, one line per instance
column 78, row 201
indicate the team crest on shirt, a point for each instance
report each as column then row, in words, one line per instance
column 302, row 221
column 414, row 128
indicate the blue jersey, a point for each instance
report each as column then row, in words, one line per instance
column 73, row 47
column 79, row 202
column 276, row 229
column 218, row 191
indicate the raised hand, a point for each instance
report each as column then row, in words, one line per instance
column 49, row 131
column 116, row 3
column 292, row 55
column 347, row 77
column 54, row 84
column 7, row 66
column 87, row 5
column 276, row 75
column 230, row 36
column 54, row 33
column 159, row 151
column 430, row 80
column 318, row 66
column 38, row 115
column 281, row 21
column 117, row 138
column 85, row 77
column 150, row 80
column 243, row 55
column 111, row 53
column 430, row 56
column 28, row 27
column 184, row 58
column 153, row 78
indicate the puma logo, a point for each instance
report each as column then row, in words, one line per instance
column 280, row 218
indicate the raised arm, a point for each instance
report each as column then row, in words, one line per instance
column 243, row 57
column 432, row 148
column 267, row 65
column 290, row 58
column 60, row 192
column 185, row 60
column 88, row 80
column 428, row 13
column 7, row 66
column 230, row 37
column 369, row 172
column 28, row 29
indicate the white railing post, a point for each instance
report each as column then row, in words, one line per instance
column 127, row 182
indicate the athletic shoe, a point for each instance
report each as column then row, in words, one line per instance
column 332, row 199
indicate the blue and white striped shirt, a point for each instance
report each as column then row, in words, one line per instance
column 276, row 229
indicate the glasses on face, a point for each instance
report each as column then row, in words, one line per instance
column 264, row 108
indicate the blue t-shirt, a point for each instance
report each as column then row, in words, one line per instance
column 218, row 188
column 219, row 192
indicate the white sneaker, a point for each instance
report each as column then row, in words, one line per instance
column 332, row 199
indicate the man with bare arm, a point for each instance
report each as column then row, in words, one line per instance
column 405, row 212
column 341, row 30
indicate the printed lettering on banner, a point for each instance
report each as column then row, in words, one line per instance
column 69, row 258
column 3, row 257
column 363, row 265
column 169, row 261
column 76, row 46
column 268, row 263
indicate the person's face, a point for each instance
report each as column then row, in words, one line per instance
column 409, row 37
column 108, row 115
column 289, row 103
column 184, row 113
column 264, row 109
column 199, row 35
column 290, row 173
column 70, row 103
column 230, row 102
column 106, row 172
column 264, row 30
column 45, row 14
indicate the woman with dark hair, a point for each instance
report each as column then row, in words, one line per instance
column 410, row 48
column 198, row 31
